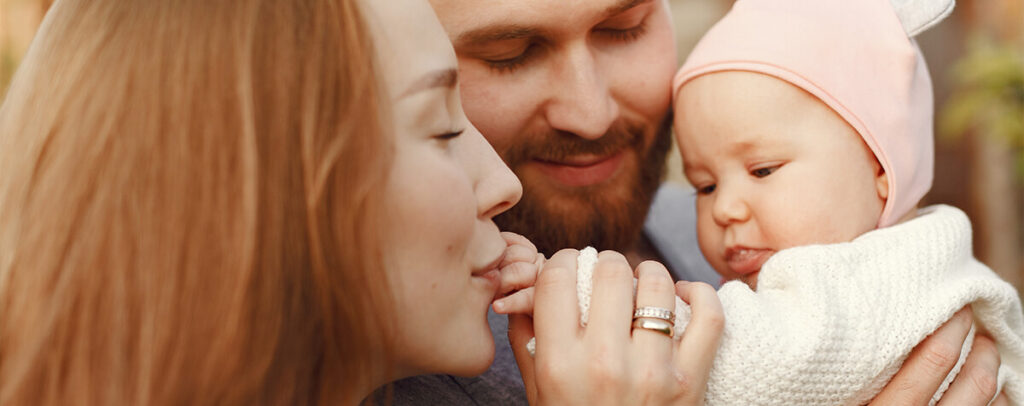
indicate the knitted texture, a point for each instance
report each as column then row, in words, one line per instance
column 585, row 263
column 831, row 324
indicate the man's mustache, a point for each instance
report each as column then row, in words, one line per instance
column 556, row 146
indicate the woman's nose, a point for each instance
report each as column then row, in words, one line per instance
column 497, row 188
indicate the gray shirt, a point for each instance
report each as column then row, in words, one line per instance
column 671, row 227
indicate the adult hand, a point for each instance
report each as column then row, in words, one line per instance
column 607, row 362
column 932, row 360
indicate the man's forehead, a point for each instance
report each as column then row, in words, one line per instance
column 482, row 20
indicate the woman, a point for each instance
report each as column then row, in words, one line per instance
column 240, row 203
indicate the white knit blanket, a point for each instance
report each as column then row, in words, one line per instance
column 831, row 324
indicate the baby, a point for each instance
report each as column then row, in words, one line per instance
column 806, row 128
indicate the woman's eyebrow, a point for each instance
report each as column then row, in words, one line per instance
column 440, row 78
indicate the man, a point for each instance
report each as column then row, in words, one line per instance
column 574, row 95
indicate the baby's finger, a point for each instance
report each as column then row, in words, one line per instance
column 518, row 253
column 516, row 239
column 703, row 334
column 516, row 276
column 520, row 302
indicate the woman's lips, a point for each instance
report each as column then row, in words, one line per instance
column 490, row 266
column 488, row 277
column 489, row 281
column 582, row 171
column 746, row 261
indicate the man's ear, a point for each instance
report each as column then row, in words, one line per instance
column 919, row 15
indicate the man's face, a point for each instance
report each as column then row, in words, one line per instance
column 574, row 95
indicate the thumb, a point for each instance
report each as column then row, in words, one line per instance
column 520, row 331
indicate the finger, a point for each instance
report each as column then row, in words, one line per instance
column 520, row 330
column 654, row 289
column 517, row 239
column 515, row 276
column 977, row 381
column 556, row 318
column 520, row 302
column 1001, row 400
column 703, row 334
column 518, row 253
column 611, row 304
column 513, row 240
column 928, row 364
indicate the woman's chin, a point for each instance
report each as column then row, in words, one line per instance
column 476, row 360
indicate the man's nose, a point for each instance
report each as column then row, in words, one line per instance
column 729, row 207
column 580, row 100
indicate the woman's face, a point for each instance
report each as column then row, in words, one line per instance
column 441, row 248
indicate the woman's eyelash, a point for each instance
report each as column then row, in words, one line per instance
column 449, row 135
column 706, row 190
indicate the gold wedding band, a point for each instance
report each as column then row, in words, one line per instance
column 658, row 325
column 655, row 313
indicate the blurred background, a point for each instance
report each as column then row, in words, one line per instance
column 976, row 58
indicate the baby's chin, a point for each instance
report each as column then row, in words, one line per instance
column 751, row 280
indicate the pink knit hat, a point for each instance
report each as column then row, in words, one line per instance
column 856, row 57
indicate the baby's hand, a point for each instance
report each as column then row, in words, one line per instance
column 518, row 273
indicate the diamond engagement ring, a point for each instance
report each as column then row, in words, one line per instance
column 655, row 313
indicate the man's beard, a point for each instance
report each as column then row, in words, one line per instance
column 608, row 215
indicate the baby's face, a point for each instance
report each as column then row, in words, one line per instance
column 774, row 168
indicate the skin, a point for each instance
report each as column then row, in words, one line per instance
column 443, row 249
column 607, row 363
column 580, row 87
column 576, row 89
column 774, row 168
column 444, row 252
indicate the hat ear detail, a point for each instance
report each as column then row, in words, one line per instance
column 916, row 16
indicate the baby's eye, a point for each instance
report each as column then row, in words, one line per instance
column 706, row 190
column 762, row 172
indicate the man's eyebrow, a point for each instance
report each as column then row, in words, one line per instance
column 496, row 33
column 439, row 78
column 624, row 6
column 517, row 31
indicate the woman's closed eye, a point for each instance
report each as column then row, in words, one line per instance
column 705, row 189
column 448, row 136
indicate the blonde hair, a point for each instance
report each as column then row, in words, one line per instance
column 187, row 194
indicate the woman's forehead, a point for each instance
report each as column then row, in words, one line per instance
column 410, row 42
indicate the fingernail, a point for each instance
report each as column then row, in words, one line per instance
column 499, row 305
